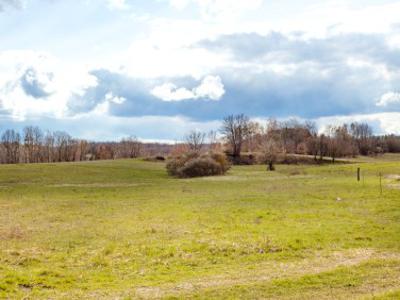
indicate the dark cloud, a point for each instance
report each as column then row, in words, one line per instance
column 303, row 94
column 293, row 48
column 33, row 86
column 337, row 75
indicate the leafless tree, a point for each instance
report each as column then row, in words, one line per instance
column 11, row 142
column 130, row 147
column 195, row 140
column 63, row 143
column 83, row 147
column 49, row 147
column 271, row 151
column 235, row 130
column 362, row 133
column 32, row 143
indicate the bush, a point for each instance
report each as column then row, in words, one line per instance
column 243, row 159
column 193, row 164
column 155, row 158
column 222, row 160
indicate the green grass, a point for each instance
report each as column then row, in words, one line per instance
column 124, row 229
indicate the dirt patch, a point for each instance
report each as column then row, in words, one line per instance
column 267, row 272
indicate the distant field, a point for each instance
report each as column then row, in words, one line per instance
column 123, row 229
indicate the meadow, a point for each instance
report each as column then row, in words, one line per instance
column 125, row 230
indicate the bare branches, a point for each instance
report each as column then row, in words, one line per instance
column 195, row 140
column 235, row 130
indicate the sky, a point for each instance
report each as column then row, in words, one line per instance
column 107, row 69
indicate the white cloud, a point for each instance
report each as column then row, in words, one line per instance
column 210, row 88
column 388, row 99
column 179, row 4
column 383, row 123
column 114, row 99
column 57, row 81
column 102, row 109
column 117, row 4
column 170, row 92
column 219, row 8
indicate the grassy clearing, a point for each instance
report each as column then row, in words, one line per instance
column 123, row 229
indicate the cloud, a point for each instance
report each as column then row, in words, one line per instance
column 37, row 85
column 117, row 4
column 18, row 4
column 219, row 8
column 179, row 4
column 295, row 47
column 114, row 99
column 382, row 123
column 170, row 92
column 210, row 88
column 389, row 99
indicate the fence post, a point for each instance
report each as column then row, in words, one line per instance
column 358, row 174
column 380, row 183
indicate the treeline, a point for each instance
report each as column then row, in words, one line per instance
column 237, row 135
column 34, row 145
column 295, row 137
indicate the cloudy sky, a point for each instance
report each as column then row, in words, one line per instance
column 104, row 69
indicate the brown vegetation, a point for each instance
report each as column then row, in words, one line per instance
column 196, row 164
column 244, row 142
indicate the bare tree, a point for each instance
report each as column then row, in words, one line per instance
column 212, row 137
column 340, row 143
column 32, row 143
column 235, row 129
column 130, row 147
column 49, row 147
column 195, row 140
column 271, row 150
column 11, row 142
column 63, row 143
column 362, row 133
column 83, row 147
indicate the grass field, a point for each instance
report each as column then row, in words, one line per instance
column 123, row 229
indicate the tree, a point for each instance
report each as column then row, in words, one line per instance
column 362, row 133
column 340, row 142
column 11, row 142
column 195, row 140
column 49, row 147
column 130, row 147
column 235, row 129
column 63, row 142
column 271, row 150
column 32, row 143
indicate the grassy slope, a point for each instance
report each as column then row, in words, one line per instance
column 124, row 229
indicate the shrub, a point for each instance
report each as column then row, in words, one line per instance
column 222, row 160
column 203, row 166
column 193, row 164
column 158, row 158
